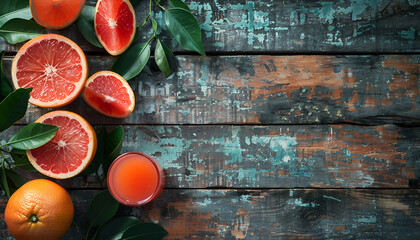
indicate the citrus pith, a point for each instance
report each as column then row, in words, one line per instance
column 70, row 151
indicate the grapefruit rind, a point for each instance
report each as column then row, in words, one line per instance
column 78, row 86
column 118, row 52
column 91, row 148
column 50, row 26
column 125, row 84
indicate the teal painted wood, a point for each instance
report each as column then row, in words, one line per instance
column 314, row 89
column 290, row 26
column 269, row 214
column 295, row 156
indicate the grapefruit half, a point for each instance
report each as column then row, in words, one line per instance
column 110, row 94
column 56, row 14
column 70, row 151
column 54, row 66
column 115, row 25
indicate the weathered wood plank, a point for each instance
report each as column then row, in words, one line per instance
column 270, row 90
column 270, row 214
column 292, row 26
column 293, row 156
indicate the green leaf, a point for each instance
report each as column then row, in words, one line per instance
column 14, row 178
column 8, row 6
column 100, row 153
column 142, row 231
column 135, row 3
column 185, row 29
column 4, row 184
column 114, row 229
column 5, row 86
column 21, row 159
column 32, row 136
column 13, row 107
column 102, row 208
column 19, row 30
column 179, row 4
column 113, row 145
column 132, row 61
column 85, row 24
column 154, row 25
column 165, row 59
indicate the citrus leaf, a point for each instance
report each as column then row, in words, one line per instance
column 85, row 24
column 165, row 59
column 135, row 3
column 100, row 153
column 132, row 61
column 179, row 4
column 13, row 107
column 18, row 30
column 113, row 145
column 21, row 159
column 4, row 184
column 114, row 229
column 32, row 136
column 5, row 85
column 101, row 208
column 154, row 25
column 14, row 178
column 185, row 29
column 8, row 6
column 141, row 231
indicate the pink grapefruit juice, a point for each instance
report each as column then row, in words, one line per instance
column 135, row 179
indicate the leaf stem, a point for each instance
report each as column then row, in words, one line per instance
column 87, row 234
column 3, row 150
column 157, row 3
column 144, row 22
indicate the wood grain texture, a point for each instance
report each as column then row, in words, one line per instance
column 269, row 214
column 334, row 156
column 290, row 26
column 316, row 89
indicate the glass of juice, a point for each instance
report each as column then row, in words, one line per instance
column 135, row 179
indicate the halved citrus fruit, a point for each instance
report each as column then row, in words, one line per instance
column 115, row 25
column 110, row 94
column 54, row 66
column 56, row 14
column 71, row 149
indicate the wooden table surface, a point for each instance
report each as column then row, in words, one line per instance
column 302, row 122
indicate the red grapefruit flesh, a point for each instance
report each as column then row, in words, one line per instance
column 70, row 151
column 115, row 25
column 54, row 66
column 110, row 94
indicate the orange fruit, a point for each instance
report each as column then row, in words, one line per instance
column 56, row 14
column 40, row 209
column 110, row 94
column 54, row 66
column 70, row 151
column 115, row 25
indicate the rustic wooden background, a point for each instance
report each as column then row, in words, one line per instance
column 302, row 122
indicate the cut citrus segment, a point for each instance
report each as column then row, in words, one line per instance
column 115, row 25
column 110, row 94
column 54, row 66
column 71, row 149
column 56, row 14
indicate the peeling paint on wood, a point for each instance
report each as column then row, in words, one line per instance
column 269, row 214
column 291, row 26
column 293, row 156
column 270, row 90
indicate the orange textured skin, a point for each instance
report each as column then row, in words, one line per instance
column 45, row 13
column 49, row 202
